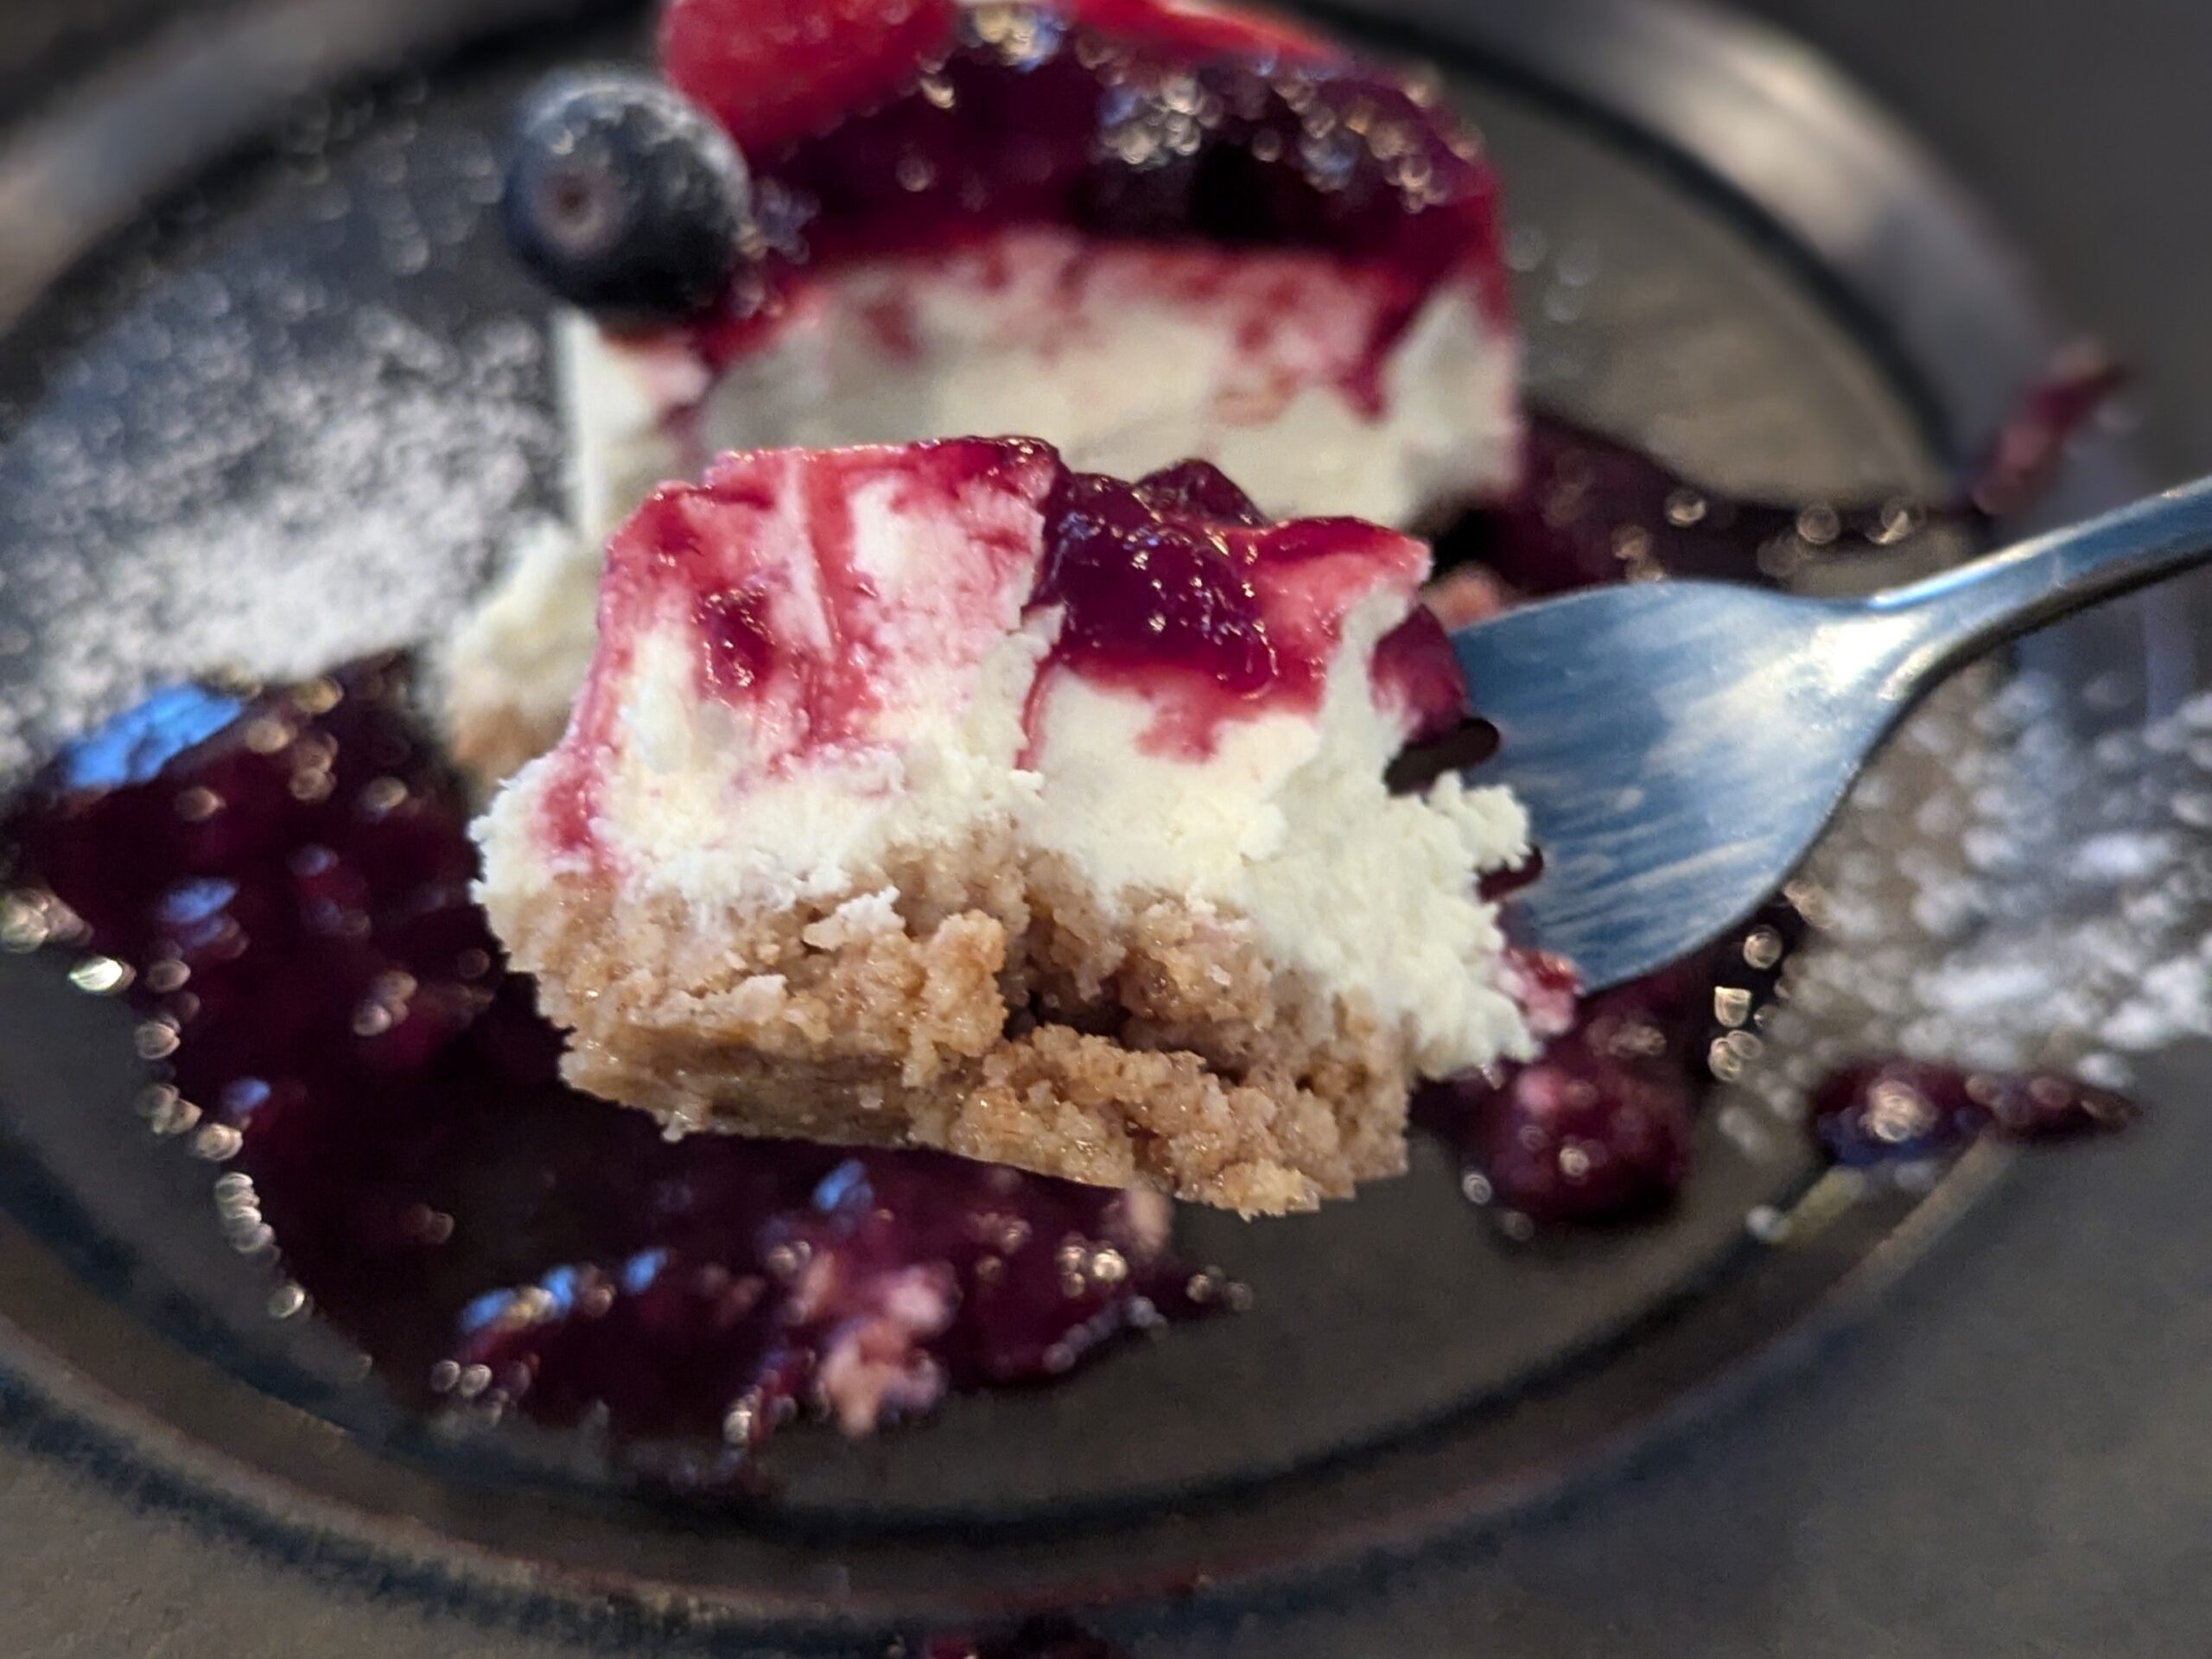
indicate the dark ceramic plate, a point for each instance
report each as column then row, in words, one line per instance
column 287, row 414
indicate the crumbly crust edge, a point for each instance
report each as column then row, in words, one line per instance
column 980, row 1000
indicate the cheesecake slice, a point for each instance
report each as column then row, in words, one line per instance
column 1143, row 231
column 940, row 795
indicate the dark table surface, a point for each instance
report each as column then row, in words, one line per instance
column 2013, row 1458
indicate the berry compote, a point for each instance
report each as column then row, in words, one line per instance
column 1132, row 120
column 1176, row 584
column 1890, row 1110
column 285, row 878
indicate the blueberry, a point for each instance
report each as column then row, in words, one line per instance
column 623, row 197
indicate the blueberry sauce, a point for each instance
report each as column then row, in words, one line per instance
column 1158, row 133
column 1598, row 1126
column 285, row 877
column 1594, row 510
column 1895, row 1110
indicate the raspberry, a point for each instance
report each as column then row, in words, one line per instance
column 772, row 71
column 1204, row 26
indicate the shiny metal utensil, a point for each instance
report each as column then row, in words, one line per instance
column 1680, row 744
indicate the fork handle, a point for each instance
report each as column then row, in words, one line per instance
column 1963, row 612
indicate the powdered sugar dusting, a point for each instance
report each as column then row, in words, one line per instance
column 2042, row 903
column 269, row 428
column 319, row 511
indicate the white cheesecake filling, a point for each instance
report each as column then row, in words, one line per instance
column 1289, row 823
column 1127, row 357
column 510, row 672
column 1285, row 827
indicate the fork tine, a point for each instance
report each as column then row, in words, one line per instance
column 1678, row 749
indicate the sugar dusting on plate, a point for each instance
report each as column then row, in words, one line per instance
column 230, row 467
column 382, row 482
column 2023, row 882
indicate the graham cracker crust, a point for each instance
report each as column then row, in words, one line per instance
column 977, row 1000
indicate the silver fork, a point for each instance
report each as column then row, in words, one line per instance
column 1680, row 744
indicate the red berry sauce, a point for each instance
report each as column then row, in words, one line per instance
column 286, row 878
column 1129, row 121
column 1416, row 667
column 1177, row 586
column 1598, row 1126
column 1593, row 510
column 789, row 626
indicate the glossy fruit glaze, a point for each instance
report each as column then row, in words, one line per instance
column 1130, row 120
column 1174, row 588
column 1178, row 585
column 1887, row 1109
column 1598, row 1126
column 285, row 876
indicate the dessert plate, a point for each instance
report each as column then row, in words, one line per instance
column 285, row 416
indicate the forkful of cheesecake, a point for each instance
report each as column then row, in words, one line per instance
column 938, row 794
